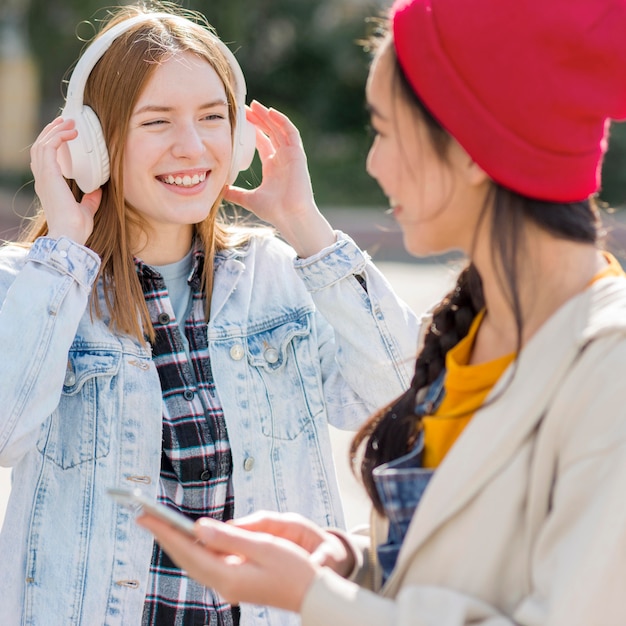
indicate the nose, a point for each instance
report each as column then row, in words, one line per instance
column 370, row 163
column 188, row 142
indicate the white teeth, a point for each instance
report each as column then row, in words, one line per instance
column 184, row 181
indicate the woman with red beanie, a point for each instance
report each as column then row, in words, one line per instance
column 498, row 478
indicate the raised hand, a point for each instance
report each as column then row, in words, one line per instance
column 64, row 215
column 285, row 197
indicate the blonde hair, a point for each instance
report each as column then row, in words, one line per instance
column 112, row 94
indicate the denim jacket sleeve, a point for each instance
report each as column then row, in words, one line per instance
column 44, row 293
column 372, row 336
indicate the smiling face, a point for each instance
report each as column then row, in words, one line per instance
column 436, row 198
column 178, row 147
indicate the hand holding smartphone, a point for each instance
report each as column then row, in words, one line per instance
column 135, row 500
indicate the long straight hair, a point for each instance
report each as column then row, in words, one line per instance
column 112, row 94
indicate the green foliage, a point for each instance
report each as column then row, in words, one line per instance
column 614, row 169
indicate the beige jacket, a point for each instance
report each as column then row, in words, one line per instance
column 524, row 523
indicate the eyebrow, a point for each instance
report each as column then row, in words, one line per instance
column 153, row 108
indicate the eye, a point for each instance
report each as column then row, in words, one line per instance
column 214, row 117
column 154, row 123
column 372, row 132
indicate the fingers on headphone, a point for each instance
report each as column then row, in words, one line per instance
column 270, row 125
column 264, row 145
column 54, row 135
column 286, row 126
column 280, row 128
column 54, row 127
column 57, row 121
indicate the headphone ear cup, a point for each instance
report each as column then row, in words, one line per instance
column 86, row 158
column 244, row 146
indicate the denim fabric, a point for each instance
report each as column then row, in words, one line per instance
column 401, row 484
column 82, row 411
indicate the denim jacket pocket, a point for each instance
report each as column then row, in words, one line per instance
column 79, row 430
column 285, row 365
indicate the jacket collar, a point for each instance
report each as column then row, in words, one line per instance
column 229, row 266
column 497, row 430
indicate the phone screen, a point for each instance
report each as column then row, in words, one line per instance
column 135, row 500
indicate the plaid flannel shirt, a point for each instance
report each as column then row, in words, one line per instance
column 196, row 463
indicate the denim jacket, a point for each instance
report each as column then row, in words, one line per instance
column 291, row 351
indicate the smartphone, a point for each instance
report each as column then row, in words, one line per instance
column 135, row 500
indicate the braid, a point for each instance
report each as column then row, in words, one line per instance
column 390, row 432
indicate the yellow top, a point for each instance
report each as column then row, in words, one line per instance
column 467, row 386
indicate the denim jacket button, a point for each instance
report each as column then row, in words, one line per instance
column 248, row 464
column 70, row 378
column 271, row 355
column 236, row 352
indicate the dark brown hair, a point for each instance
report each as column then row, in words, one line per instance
column 390, row 432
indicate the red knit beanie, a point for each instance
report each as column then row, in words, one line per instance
column 527, row 87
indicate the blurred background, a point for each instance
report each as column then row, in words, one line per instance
column 299, row 56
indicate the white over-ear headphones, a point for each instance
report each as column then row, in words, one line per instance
column 86, row 158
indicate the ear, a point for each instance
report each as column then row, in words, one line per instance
column 466, row 166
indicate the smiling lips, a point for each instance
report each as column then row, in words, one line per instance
column 183, row 181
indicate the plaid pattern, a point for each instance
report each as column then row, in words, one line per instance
column 196, row 462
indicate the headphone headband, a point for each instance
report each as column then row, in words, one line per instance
column 96, row 50
column 85, row 159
